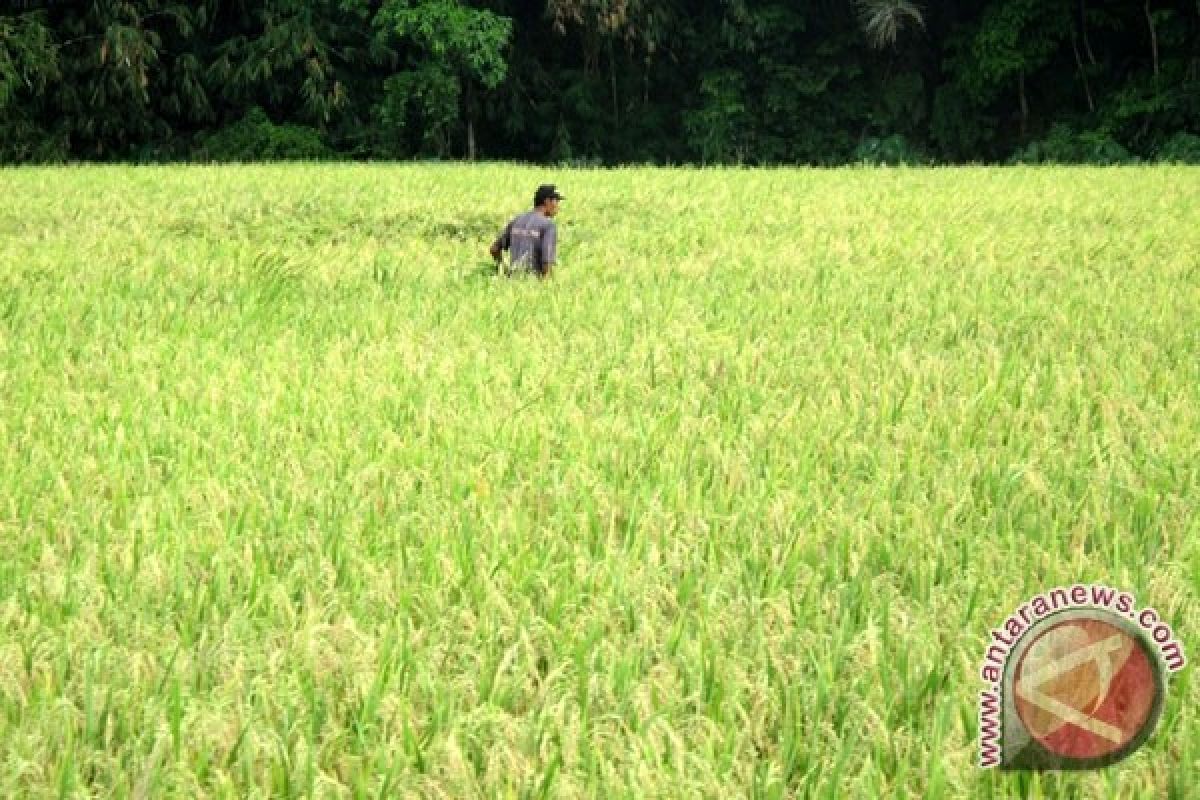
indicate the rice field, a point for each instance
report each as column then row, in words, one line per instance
column 297, row 499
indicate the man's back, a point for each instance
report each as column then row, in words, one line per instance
column 531, row 239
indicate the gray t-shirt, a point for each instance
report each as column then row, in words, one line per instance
column 531, row 240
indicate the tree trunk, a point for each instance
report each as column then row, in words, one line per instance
column 470, row 95
column 612, row 76
column 1087, row 42
column 1024, row 102
column 1087, row 89
column 1153, row 36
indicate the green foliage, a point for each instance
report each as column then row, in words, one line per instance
column 901, row 104
column 1145, row 106
column 1013, row 37
column 617, row 81
column 716, row 130
column 452, row 33
column 884, row 21
column 294, row 54
column 1064, row 146
column 457, row 47
column 1182, row 148
column 891, row 150
column 639, row 25
column 28, row 60
column 23, row 139
column 560, row 150
column 255, row 138
column 958, row 127
column 419, row 110
column 28, row 65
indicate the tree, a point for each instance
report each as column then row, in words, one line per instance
column 119, row 61
column 884, row 20
column 28, row 64
column 640, row 26
column 293, row 56
column 459, row 49
column 1012, row 40
column 612, row 81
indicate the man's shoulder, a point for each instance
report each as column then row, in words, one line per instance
column 532, row 220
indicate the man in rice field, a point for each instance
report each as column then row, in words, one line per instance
column 531, row 238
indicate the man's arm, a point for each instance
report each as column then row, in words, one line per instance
column 549, row 250
column 502, row 243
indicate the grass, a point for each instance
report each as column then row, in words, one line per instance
column 296, row 500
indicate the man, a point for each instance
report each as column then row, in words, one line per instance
column 531, row 238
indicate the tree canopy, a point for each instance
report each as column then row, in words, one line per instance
column 601, row 81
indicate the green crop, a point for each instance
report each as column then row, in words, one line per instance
column 297, row 499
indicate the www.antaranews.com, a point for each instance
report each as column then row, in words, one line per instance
column 1076, row 598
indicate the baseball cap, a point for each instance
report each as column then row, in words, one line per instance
column 546, row 192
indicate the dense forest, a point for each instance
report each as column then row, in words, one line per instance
column 602, row 81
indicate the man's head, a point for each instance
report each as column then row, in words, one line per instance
column 546, row 198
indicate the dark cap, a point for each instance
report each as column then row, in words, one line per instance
column 546, row 192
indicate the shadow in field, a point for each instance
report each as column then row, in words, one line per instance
column 307, row 226
column 473, row 227
column 388, row 274
column 481, row 271
column 272, row 277
column 9, row 305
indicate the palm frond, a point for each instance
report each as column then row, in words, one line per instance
column 884, row 21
